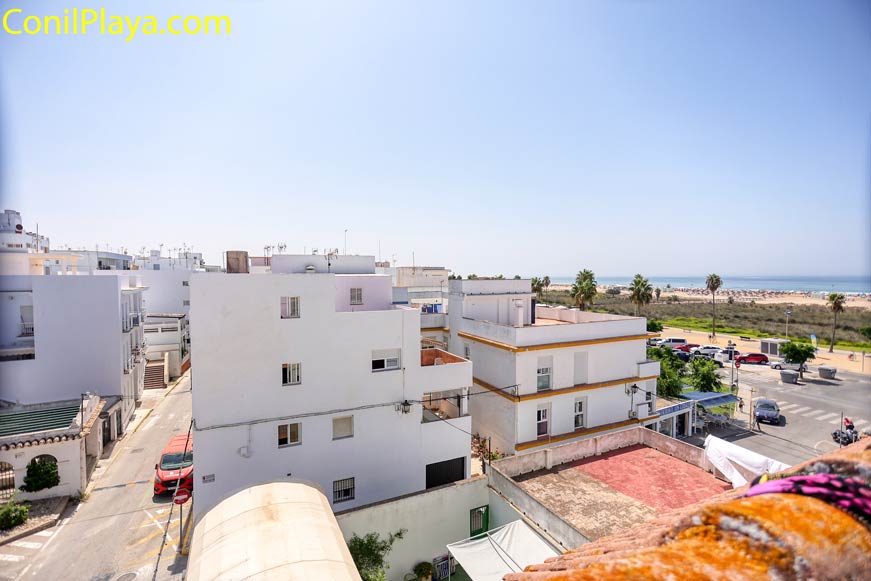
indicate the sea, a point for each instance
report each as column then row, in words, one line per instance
column 812, row 284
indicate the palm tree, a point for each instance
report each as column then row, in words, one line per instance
column 545, row 282
column 713, row 283
column 658, row 292
column 640, row 291
column 537, row 286
column 584, row 289
column 836, row 303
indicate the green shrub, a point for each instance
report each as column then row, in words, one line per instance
column 12, row 514
column 370, row 553
column 40, row 475
column 653, row 326
column 423, row 569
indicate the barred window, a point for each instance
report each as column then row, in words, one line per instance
column 343, row 490
column 356, row 296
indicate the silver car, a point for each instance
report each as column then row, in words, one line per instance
column 784, row 365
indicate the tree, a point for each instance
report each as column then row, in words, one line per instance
column 798, row 353
column 671, row 372
column 516, row 277
column 713, row 283
column 40, row 475
column 499, row 277
column 537, row 286
column 472, row 277
column 640, row 292
column 657, row 292
column 653, row 326
column 836, row 303
column 369, row 553
column 865, row 332
column 546, row 284
column 584, row 289
column 704, row 376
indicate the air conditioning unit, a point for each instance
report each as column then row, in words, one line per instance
column 633, row 414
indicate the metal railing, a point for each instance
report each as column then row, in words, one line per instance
column 26, row 330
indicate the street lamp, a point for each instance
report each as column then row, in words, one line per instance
column 346, row 241
column 787, row 313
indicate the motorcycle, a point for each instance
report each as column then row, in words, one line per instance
column 846, row 436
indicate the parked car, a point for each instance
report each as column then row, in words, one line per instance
column 176, row 465
column 785, row 365
column 682, row 355
column 654, row 342
column 672, row 342
column 767, row 411
column 705, row 349
column 686, row 347
column 759, row 358
column 726, row 354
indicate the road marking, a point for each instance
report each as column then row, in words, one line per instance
column 835, row 422
column 799, row 410
column 782, row 403
column 789, row 406
column 147, row 537
column 26, row 544
column 858, row 423
column 44, row 533
column 158, row 525
column 812, row 414
column 13, row 558
column 828, row 416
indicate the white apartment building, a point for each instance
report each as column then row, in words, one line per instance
column 320, row 377
column 14, row 238
column 546, row 375
column 183, row 260
column 62, row 336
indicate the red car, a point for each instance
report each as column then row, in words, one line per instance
column 759, row 358
column 686, row 347
column 176, row 466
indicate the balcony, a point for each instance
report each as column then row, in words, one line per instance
column 26, row 330
column 445, row 405
column 440, row 371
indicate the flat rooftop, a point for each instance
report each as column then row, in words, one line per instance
column 542, row 322
column 602, row 495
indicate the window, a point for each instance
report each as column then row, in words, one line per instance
column 385, row 359
column 186, row 303
column 543, row 378
column 467, row 351
column 541, row 422
column 343, row 427
column 580, row 413
column 289, row 435
column 290, row 374
column 155, row 267
column 289, row 307
column 356, row 296
column 185, row 283
column 343, row 490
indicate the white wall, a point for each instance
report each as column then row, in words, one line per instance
column 432, row 520
column 377, row 292
column 242, row 343
column 340, row 264
column 77, row 338
column 493, row 416
column 70, row 467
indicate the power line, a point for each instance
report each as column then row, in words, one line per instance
column 172, row 506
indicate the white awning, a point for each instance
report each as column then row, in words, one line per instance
column 725, row 455
column 507, row 549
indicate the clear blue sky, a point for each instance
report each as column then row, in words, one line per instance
column 503, row 137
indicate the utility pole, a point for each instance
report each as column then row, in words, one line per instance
column 346, row 242
column 787, row 313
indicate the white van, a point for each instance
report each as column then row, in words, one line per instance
column 672, row 342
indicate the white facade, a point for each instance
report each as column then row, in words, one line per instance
column 546, row 374
column 322, row 263
column 61, row 336
column 183, row 260
column 14, row 238
column 352, row 359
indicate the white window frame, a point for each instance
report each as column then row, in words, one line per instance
column 390, row 364
column 294, row 373
column 358, row 299
column 543, row 372
column 340, row 488
column 290, row 307
column 346, row 436
column 542, row 416
column 287, row 428
column 581, row 403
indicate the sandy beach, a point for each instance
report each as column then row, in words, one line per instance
column 746, row 296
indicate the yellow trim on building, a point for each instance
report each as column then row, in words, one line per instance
column 556, row 392
column 434, row 329
column 560, row 345
column 580, row 433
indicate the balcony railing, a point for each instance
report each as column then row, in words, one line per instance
column 26, row 330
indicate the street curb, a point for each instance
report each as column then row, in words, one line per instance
column 46, row 525
column 186, row 543
column 142, row 421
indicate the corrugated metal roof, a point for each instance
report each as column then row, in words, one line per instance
column 38, row 420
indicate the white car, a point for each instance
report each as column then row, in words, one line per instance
column 706, row 350
column 785, row 365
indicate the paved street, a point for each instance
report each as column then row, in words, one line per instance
column 118, row 531
column 812, row 411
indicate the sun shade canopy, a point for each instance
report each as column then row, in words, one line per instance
column 507, row 549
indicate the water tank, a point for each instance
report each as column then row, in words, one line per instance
column 237, row 261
